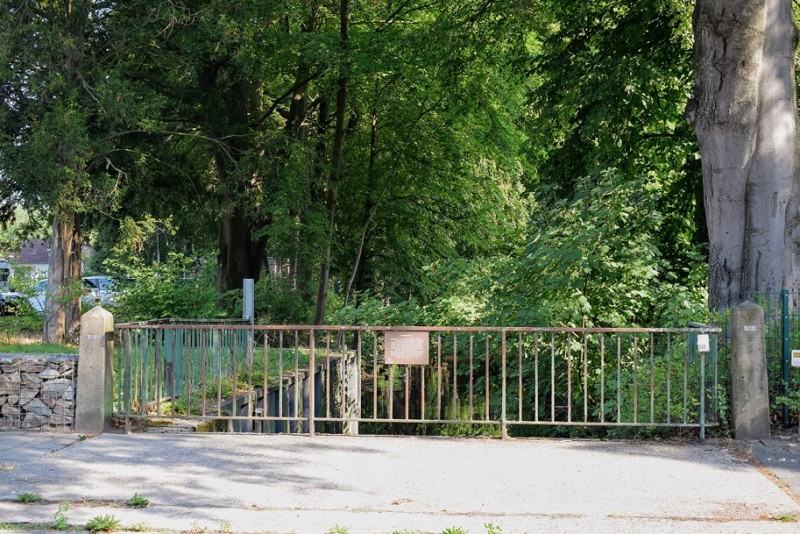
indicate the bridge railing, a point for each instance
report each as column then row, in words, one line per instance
column 280, row 378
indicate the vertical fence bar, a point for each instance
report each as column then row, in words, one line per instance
column 602, row 378
column 408, row 393
column 202, row 372
column 391, row 391
column 439, row 376
column 422, row 392
column 536, row 377
column 486, row 380
column 328, row 374
column 456, row 415
column 297, row 379
column 552, row 377
column 157, row 352
column 127, row 345
column 786, row 353
column 374, row 375
column 503, row 421
column 569, row 377
column 189, row 352
column 635, row 378
column 519, row 377
column 669, row 377
column 234, row 389
column 652, row 380
column 471, row 376
column 280, row 373
column 585, row 357
column 685, row 374
column 265, row 377
column 619, row 376
column 311, row 380
column 702, row 356
column 218, row 350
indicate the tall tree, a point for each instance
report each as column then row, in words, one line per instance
column 744, row 112
column 52, row 149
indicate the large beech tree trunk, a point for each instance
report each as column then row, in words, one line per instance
column 744, row 112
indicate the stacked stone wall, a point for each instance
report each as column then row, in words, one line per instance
column 37, row 391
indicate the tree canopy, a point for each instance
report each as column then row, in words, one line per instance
column 471, row 161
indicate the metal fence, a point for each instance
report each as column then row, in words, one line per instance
column 782, row 335
column 372, row 380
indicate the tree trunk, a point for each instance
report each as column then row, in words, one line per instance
column 336, row 164
column 63, row 303
column 744, row 112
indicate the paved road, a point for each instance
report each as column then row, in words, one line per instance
column 262, row 483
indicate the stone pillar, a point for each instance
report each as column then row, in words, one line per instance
column 749, row 389
column 94, row 395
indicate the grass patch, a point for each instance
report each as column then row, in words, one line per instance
column 37, row 348
column 785, row 518
column 137, row 501
column 103, row 523
column 28, row 497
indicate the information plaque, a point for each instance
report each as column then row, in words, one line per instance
column 407, row 348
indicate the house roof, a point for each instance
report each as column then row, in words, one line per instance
column 37, row 252
column 31, row 252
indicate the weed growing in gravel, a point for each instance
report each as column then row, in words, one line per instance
column 138, row 527
column 339, row 530
column 492, row 528
column 28, row 497
column 60, row 517
column 454, row 530
column 224, row 528
column 137, row 501
column 785, row 518
column 103, row 523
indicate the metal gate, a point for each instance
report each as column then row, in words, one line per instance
column 352, row 379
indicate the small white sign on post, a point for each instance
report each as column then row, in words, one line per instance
column 796, row 358
column 703, row 344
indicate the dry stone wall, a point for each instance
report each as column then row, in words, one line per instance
column 37, row 391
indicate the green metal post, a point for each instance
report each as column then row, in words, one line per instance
column 786, row 352
column 702, row 356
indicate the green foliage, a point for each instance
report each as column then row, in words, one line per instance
column 137, row 501
column 103, row 523
column 28, row 497
column 168, row 289
column 339, row 530
column 60, row 521
column 276, row 302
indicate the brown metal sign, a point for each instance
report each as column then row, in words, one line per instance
column 407, row 348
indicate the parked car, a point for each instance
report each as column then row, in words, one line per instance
column 94, row 288
column 10, row 302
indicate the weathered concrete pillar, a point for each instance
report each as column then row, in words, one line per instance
column 749, row 389
column 94, row 396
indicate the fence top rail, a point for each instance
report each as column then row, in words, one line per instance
column 449, row 329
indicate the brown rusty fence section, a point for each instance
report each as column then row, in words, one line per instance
column 332, row 379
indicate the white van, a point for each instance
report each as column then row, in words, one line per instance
column 5, row 275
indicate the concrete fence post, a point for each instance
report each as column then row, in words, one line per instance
column 749, row 387
column 94, row 395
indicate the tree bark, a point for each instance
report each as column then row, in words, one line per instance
column 63, row 303
column 744, row 112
